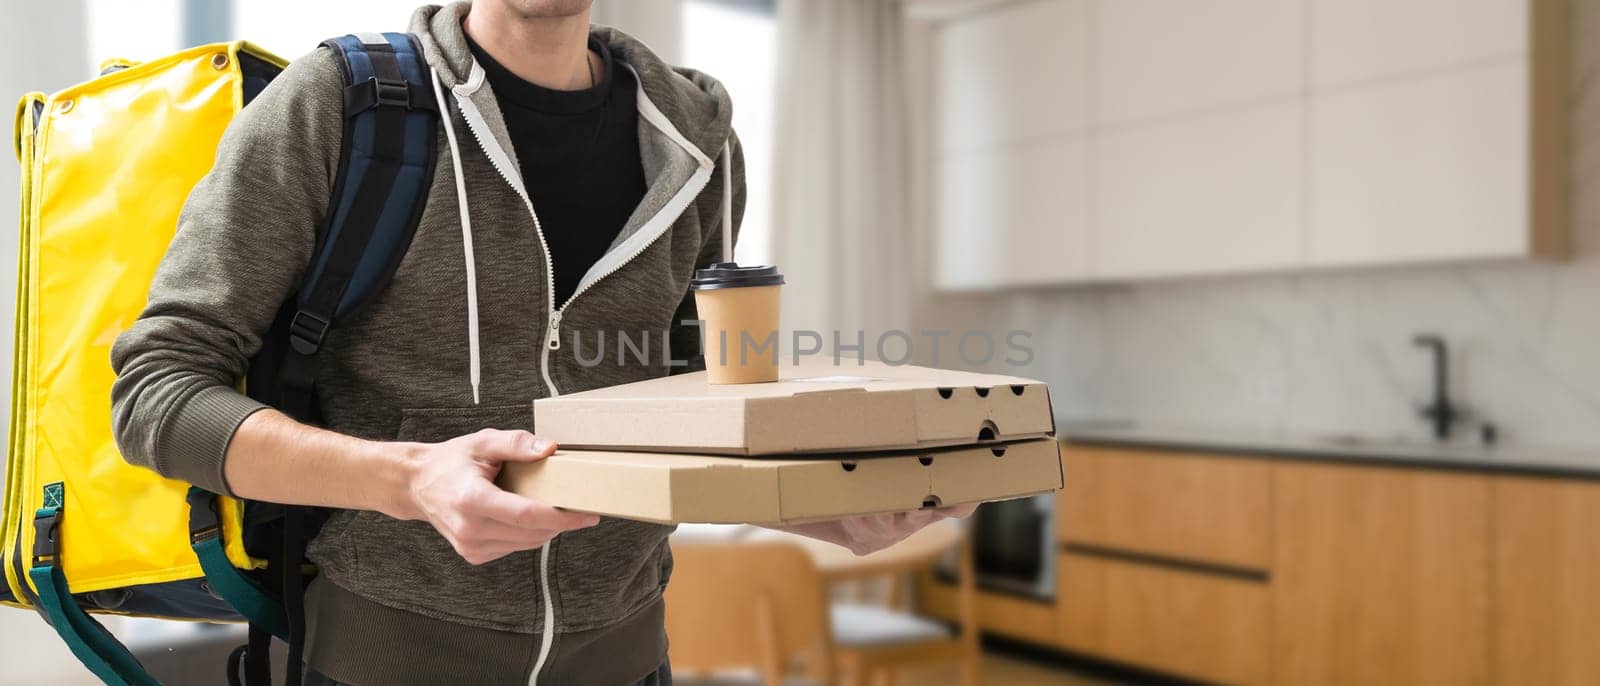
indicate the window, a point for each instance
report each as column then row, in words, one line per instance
column 736, row 42
column 291, row 28
column 288, row 28
column 137, row 31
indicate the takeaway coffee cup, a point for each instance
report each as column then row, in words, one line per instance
column 739, row 306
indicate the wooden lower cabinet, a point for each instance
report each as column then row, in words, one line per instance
column 1000, row 614
column 1206, row 508
column 1188, row 623
column 1381, row 576
column 1547, row 581
column 1248, row 571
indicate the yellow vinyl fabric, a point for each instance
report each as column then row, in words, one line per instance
column 106, row 167
column 28, row 108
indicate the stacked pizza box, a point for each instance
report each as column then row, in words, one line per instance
column 824, row 441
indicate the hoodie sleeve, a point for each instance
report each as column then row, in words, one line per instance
column 243, row 241
column 685, row 341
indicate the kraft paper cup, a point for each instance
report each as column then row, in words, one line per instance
column 739, row 306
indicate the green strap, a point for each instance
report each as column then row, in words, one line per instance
column 246, row 596
column 95, row 647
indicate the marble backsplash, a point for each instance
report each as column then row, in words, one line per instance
column 1327, row 353
column 1331, row 352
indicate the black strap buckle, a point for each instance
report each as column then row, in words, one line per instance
column 392, row 93
column 306, row 332
column 376, row 93
column 46, row 531
column 204, row 524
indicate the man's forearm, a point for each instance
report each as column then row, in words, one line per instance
column 273, row 458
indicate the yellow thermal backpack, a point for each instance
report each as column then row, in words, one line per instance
column 106, row 167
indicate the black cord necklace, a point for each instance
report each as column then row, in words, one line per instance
column 605, row 110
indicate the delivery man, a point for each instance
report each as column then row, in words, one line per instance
column 570, row 196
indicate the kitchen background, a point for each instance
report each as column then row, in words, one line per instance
column 1224, row 223
column 1224, row 200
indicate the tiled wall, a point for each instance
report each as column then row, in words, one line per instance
column 1331, row 352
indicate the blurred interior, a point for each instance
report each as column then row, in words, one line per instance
column 1315, row 285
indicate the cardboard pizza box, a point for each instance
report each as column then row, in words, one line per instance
column 677, row 488
column 814, row 407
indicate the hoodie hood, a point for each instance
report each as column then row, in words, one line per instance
column 696, row 104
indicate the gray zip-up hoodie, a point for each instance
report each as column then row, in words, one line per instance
column 465, row 337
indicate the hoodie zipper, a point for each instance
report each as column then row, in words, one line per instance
column 553, row 335
column 474, row 119
column 500, row 162
column 668, row 213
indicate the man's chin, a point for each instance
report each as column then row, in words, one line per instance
column 544, row 9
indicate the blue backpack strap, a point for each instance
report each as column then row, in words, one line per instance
column 385, row 170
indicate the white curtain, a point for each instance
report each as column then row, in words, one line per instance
column 658, row 23
column 44, row 50
column 839, row 168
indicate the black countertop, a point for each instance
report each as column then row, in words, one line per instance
column 1463, row 455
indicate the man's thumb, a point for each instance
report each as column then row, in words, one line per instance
column 516, row 446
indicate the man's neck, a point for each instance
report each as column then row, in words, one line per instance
column 552, row 52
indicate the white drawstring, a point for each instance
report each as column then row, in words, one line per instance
column 727, row 203
column 475, row 373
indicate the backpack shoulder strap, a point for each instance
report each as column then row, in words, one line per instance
column 385, row 169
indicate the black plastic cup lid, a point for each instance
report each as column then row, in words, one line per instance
column 731, row 275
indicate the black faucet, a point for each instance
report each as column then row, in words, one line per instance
column 1440, row 411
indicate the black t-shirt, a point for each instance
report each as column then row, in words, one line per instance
column 579, row 156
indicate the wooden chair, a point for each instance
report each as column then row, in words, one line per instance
column 764, row 604
column 738, row 605
column 878, row 642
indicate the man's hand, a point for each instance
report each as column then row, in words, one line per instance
column 452, row 487
column 870, row 533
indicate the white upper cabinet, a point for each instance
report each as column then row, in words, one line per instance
column 1361, row 40
column 1011, row 178
column 1051, row 240
column 1014, row 73
column 1013, row 217
column 1119, row 140
column 1207, row 195
column 972, row 220
column 1158, row 58
column 1418, row 170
